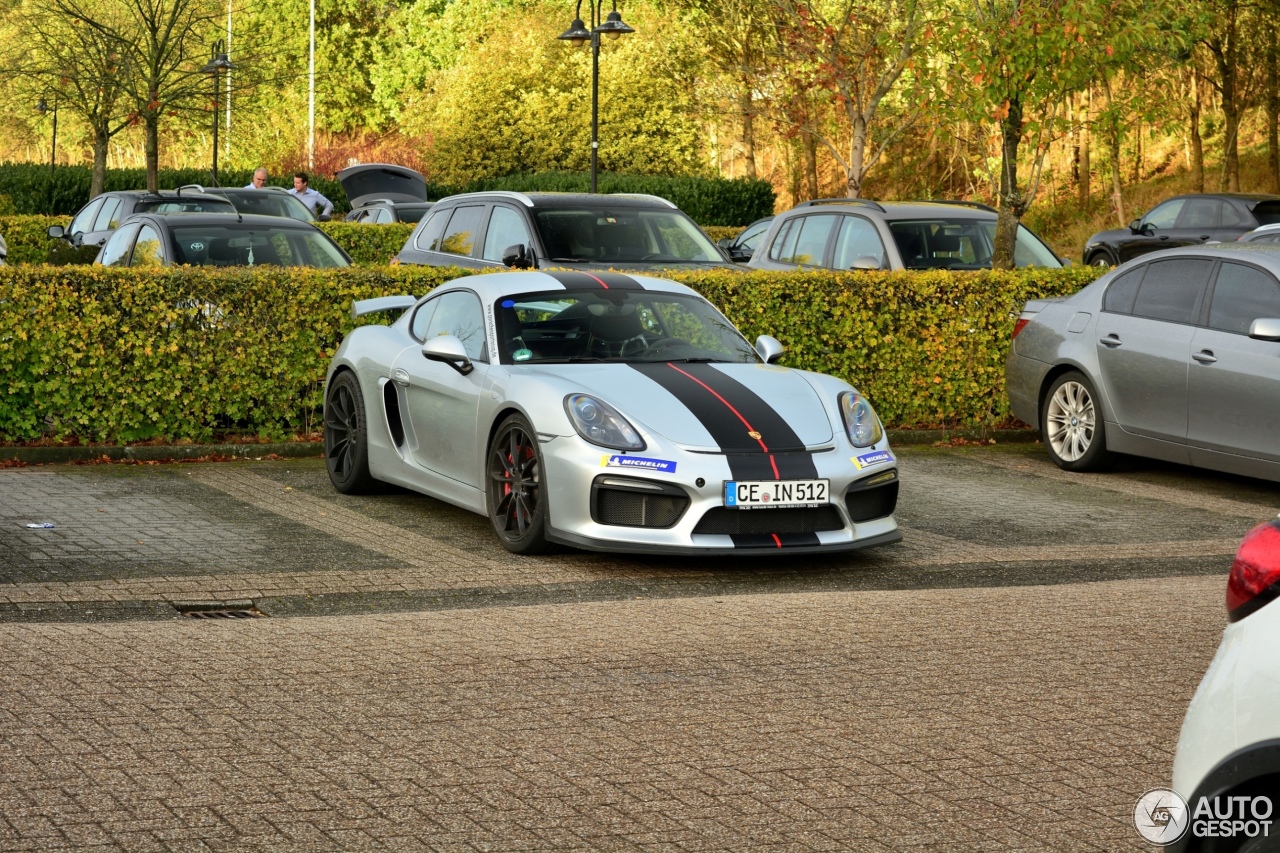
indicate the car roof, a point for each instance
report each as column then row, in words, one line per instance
column 552, row 200
column 165, row 194
column 1237, row 196
column 1269, row 252
column 496, row 285
column 899, row 209
column 235, row 220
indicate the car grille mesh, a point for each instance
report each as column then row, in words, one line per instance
column 637, row 509
column 726, row 521
column 870, row 503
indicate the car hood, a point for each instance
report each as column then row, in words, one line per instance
column 370, row 181
column 708, row 407
column 1110, row 236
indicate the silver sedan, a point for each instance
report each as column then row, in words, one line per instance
column 1173, row 356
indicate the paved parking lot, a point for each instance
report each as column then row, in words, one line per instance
column 1011, row 676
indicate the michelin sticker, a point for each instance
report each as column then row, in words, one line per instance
column 866, row 460
column 643, row 463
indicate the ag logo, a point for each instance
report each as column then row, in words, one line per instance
column 1161, row 816
column 754, row 435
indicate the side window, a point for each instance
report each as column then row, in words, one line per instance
column 1122, row 291
column 460, row 236
column 422, row 319
column 116, row 252
column 383, row 217
column 428, row 239
column 1165, row 215
column 1242, row 295
column 807, row 243
column 1171, row 290
column 84, row 219
column 506, row 228
column 458, row 313
column 1232, row 217
column 1201, row 213
column 785, row 234
column 857, row 239
column 147, row 252
column 107, row 218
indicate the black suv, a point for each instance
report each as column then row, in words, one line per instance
column 588, row 231
column 94, row 222
column 1184, row 220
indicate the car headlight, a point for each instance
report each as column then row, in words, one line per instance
column 860, row 421
column 599, row 423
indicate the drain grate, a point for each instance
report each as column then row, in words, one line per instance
column 219, row 610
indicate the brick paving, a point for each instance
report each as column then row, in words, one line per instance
column 1011, row 677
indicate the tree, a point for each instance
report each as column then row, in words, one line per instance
column 1021, row 60
column 855, row 51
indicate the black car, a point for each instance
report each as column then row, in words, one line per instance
column 269, row 201
column 93, row 224
column 1184, row 220
column 384, row 192
column 587, row 231
column 172, row 239
column 743, row 246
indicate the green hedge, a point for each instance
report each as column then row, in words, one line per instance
column 369, row 245
column 32, row 189
column 105, row 355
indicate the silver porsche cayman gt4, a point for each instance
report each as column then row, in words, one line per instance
column 608, row 412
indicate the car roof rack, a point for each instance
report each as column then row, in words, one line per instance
column 974, row 204
column 647, row 196
column 865, row 202
column 195, row 187
column 520, row 197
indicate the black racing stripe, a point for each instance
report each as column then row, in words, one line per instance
column 747, row 456
column 574, row 280
column 767, row 540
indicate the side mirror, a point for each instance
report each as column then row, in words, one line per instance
column 57, row 232
column 724, row 242
column 518, row 256
column 1136, row 226
column 866, row 262
column 1265, row 329
column 448, row 349
column 769, row 348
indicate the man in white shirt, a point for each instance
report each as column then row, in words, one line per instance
column 259, row 179
column 319, row 206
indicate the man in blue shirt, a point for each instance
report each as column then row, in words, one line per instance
column 259, row 179
column 319, row 206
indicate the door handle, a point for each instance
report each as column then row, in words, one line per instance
column 401, row 377
column 1205, row 236
column 1111, row 341
column 1205, row 356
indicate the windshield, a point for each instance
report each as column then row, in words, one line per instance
column 963, row 244
column 271, row 203
column 558, row 327
column 224, row 246
column 183, row 205
column 626, row 235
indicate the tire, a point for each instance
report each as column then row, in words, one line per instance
column 1100, row 259
column 346, row 440
column 516, row 492
column 1071, row 424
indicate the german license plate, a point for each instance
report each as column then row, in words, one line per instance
column 772, row 494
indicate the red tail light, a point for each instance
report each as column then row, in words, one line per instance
column 1019, row 325
column 1255, row 574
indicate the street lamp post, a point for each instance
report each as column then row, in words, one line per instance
column 579, row 35
column 42, row 107
column 218, row 63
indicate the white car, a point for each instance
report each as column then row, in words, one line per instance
column 1227, row 766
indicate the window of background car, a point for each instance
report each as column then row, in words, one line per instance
column 1164, row 215
column 85, row 217
column 1266, row 212
column 460, row 235
column 1233, row 217
column 383, row 217
column 116, row 252
column 624, row 235
column 506, row 228
column 458, row 313
column 412, row 214
column 1122, row 290
column 806, row 243
column 1241, row 295
column 106, row 218
column 148, row 251
column 858, row 238
column 1171, row 290
column 428, row 235
column 1201, row 213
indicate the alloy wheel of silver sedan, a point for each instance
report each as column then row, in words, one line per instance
column 1072, row 423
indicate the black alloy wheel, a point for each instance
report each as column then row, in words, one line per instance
column 517, row 490
column 346, row 443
